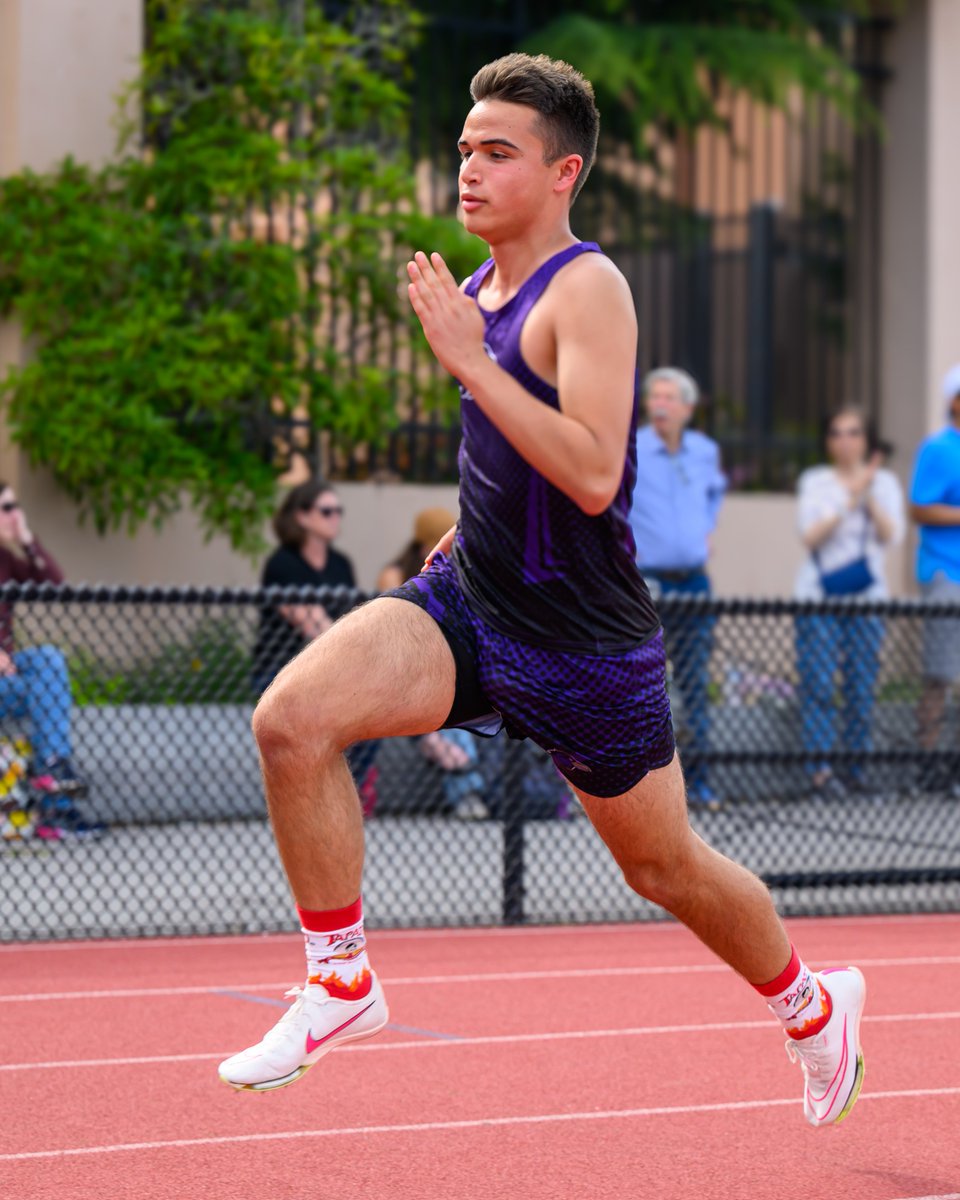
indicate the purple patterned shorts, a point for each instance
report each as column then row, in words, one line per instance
column 604, row 719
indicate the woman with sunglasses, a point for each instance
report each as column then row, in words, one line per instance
column 850, row 510
column 34, row 683
column 306, row 524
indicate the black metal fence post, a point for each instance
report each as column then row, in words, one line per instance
column 760, row 318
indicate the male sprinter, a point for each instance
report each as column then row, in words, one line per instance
column 530, row 612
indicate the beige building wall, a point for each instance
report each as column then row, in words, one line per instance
column 62, row 62
column 756, row 551
column 920, row 301
column 62, row 65
column 943, row 199
column 756, row 548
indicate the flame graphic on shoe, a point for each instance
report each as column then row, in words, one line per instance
column 356, row 989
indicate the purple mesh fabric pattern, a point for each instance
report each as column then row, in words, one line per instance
column 604, row 719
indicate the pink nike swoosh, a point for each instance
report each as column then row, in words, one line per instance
column 313, row 1043
column 844, row 1058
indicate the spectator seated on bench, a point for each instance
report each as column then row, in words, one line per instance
column 34, row 684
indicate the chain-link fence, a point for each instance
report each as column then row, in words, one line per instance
column 825, row 757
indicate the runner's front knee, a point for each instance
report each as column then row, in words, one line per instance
column 283, row 725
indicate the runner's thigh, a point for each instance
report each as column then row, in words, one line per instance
column 383, row 670
column 647, row 824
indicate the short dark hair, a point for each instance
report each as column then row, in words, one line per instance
column 859, row 414
column 567, row 117
column 299, row 499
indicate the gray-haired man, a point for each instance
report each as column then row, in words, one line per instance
column 677, row 499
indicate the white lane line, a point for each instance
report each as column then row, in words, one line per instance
column 948, row 1196
column 444, row 1126
column 161, row 943
column 387, row 981
column 501, row 1039
column 632, row 929
column 144, row 1060
column 374, row 935
column 420, row 980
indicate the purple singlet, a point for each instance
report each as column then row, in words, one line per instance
column 532, row 563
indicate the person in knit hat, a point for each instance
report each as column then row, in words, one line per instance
column 429, row 527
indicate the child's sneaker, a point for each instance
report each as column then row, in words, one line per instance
column 57, row 775
column 832, row 1061
column 471, row 808
column 47, row 833
column 61, row 814
column 313, row 1025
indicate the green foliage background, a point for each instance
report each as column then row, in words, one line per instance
column 171, row 316
column 660, row 65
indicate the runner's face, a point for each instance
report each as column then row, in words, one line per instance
column 504, row 182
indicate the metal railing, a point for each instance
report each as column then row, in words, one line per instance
column 172, row 835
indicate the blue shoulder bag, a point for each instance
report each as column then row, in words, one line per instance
column 855, row 577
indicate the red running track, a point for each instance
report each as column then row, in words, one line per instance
column 611, row 1061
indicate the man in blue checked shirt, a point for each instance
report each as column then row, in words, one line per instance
column 680, row 487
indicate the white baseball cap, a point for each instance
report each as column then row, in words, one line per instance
column 951, row 384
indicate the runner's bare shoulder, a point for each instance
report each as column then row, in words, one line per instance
column 593, row 284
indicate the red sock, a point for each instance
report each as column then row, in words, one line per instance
column 798, row 999
column 337, row 951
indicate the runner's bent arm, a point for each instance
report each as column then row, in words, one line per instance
column 582, row 448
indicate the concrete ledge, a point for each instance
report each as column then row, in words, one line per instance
column 159, row 762
column 171, row 762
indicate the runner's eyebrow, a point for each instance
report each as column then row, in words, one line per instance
column 489, row 142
